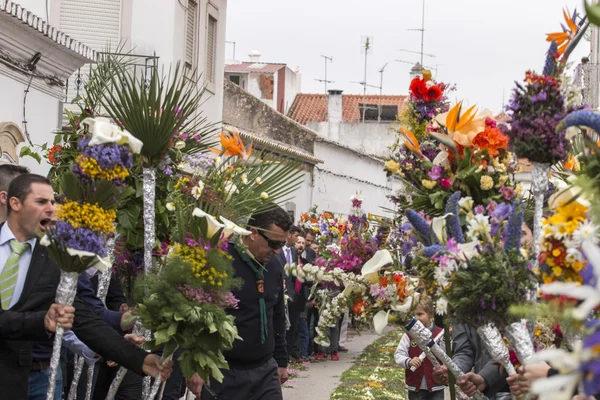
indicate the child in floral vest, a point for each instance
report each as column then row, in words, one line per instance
column 421, row 383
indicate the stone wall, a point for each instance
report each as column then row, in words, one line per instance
column 243, row 110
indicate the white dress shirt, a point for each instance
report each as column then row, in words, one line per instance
column 287, row 252
column 6, row 236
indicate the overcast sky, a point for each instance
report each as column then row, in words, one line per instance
column 482, row 46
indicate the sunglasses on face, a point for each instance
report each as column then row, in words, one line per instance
column 274, row 244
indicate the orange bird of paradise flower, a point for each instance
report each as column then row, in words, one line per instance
column 410, row 140
column 233, row 146
column 563, row 38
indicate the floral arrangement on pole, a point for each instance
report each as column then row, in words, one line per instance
column 563, row 233
column 579, row 367
column 473, row 158
column 537, row 108
column 185, row 301
column 161, row 112
column 477, row 282
column 390, row 291
column 93, row 191
column 427, row 99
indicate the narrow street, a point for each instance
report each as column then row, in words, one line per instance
column 321, row 378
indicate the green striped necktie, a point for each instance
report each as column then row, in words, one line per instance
column 10, row 273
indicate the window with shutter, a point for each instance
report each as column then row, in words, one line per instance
column 97, row 23
column 211, row 44
column 190, row 33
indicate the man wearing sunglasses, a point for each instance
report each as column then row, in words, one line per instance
column 258, row 363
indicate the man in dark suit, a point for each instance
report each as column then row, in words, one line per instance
column 30, row 209
column 295, row 291
column 309, row 254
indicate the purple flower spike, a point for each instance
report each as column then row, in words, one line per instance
column 452, row 221
column 420, row 226
column 513, row 231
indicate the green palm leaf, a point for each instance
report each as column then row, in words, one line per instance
column 154, row 111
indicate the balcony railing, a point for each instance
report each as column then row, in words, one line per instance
column 141, row 66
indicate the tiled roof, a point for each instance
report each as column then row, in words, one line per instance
column 313, row 107
column 35, row 23
column 246, row 67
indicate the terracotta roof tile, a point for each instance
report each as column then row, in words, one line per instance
column 313, row 107
column 247, row 67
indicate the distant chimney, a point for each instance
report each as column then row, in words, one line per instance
column 254, row 56
column 415, row 71
column 334, row 114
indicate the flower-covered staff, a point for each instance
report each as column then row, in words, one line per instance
column 84, row 222
column 536, row 109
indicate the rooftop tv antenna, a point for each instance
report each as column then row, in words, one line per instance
column 330, row 59
column 381, row 90
column 422, row 30
column 367, row 49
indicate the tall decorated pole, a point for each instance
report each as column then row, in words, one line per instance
column 161, row 112
column 89, row 211
column 149, row 187
column 539, row 185
column 422, row 336
column 103, row 284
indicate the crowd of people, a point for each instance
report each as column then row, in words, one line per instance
column 276, row 318
column 273, row 334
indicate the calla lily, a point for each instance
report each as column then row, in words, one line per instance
column 230, row 189
column 379, row 260
column 380, row 321
column 438, row 227
column 103, row 131
column 463, row 127
column 404, row 307
column 565, row 193
column 442, row 159
column 467, row 250
column 213, row 226
column 45, row 241
column 231, row 228
column 99, row 263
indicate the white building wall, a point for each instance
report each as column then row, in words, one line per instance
column 345, row 173
column 292, row 87
column 373, row 138
column 42, row 112
column 254, row 88
column 302, row 198
column 158, row 27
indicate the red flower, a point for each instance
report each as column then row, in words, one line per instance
column 492, row 140
column 359, row 307
column 415, row 87
column 445, row 183
column 433, row 93
column 383, row 282
column 53, row 153
column 420, row 90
